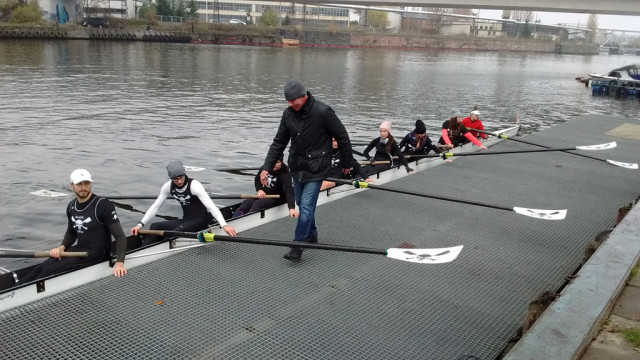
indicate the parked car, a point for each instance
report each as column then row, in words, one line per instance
column 96, row 22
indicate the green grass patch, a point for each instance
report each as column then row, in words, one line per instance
column 634, row 272
column 632, row 336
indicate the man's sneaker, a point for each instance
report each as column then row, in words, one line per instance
column 295, row 255
column 312, row 240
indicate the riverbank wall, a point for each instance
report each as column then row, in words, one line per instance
column 299, row 37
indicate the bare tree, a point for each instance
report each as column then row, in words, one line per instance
column 592, row 24
column 506, row 14
column 527, row 16
column 462, row 11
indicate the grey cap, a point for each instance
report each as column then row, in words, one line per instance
column 455, row 113
column 293, row 89
column 175, row 169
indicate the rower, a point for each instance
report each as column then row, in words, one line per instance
column 193, row 199
column 473, row 122
column 91, row 221
column 454, row 133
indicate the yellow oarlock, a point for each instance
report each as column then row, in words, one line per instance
column 206, row 237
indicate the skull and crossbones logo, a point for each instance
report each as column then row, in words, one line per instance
column 183, row 200
column 78, row 224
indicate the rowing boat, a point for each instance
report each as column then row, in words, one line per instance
column 13, row 293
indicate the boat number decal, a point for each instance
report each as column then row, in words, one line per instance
column 7, row 296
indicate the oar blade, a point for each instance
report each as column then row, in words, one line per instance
column 623, row 164
column 606, row 146
column 194, row 168
column 48, row 193
column 425, row 256
column 542, row 214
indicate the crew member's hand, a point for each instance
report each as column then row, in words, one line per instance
column 294, row 213
column 55, row 252
column 482, row 147
column 347, row 171
column 119, row 270
column 229, row 230
column 135, row 229
column 448, row 146
column 261, row 194
column 369, row 180
column 263, row 177
column 410, row 171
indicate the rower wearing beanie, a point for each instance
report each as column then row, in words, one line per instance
column 386, row 149
column 194, row 200
column 417, row 142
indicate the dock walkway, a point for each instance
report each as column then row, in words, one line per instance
column 243, row 301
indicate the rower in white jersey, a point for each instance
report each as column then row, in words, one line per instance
column 193, row 199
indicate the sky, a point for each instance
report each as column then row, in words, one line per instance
column 604, row 21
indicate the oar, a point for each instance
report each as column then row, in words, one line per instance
column 535, row 213
column 446, row 155
column 48, row 193
column 9, row 253
column 424, row 256
column 213, row 196
column 613, row 162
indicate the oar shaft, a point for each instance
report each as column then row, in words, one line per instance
column 547, row 147
column 37, row 254
column 438, row 197
column 239, row 239
column 213, row 196
column 542, row 146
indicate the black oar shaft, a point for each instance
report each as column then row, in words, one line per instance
column 213, row 196
column 542, row 146
column 407, row 192
column 246, row 240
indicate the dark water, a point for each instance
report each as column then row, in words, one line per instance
column 123, row 110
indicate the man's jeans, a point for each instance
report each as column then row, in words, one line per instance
column 306, row 197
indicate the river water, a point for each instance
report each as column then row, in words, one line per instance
column 123, row 110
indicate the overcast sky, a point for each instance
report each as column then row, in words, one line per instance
column 604, row 21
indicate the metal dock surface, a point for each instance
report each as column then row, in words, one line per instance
column 243, row 301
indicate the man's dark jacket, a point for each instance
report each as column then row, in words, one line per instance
column 310, row 131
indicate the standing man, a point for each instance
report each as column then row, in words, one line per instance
column 473, row 122
column 310, row 125
column 195, row 203
column 91, row 220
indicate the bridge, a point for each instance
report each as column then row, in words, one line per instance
column 603, row 7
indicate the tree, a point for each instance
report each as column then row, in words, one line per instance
column 164, row 8
column 527, row 16
column 148, row 11
column 27, row 13
column 180, row 10
column 193, row 10
column 377, row 19
column 270, row 17
column 286, row 21
column 506, row 14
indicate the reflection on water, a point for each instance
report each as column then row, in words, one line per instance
column 123, row 110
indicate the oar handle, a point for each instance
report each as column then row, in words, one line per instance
column 38, row 254
column 253, row 196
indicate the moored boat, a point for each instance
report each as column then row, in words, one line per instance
column 622, row 81
column 13, row 293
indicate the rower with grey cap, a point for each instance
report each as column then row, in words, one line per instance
column 194, row 200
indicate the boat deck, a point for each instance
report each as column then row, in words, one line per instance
column 244, row 301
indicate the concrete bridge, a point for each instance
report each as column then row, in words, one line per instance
column 603, row 7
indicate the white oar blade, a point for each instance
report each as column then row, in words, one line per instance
column 48, row 193
column 623, row 164
column 194, row 168
column 425, row 256
column 606, row 146
column 542, row 214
